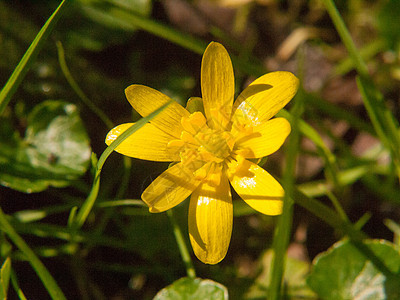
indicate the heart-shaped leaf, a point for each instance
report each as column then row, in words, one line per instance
column 194, row 289
column 344, row 272
column 54, row 151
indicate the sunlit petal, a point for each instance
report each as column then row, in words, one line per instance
column 217, row 85
column 210, row 221
column 264, row 97
column 266, row 138
column 148, row 143
column 170, row 188
column 257, row 188
column 145, row 100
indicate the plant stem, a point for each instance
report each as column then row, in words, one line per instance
column 74, row 85
column 283, row 230
column 182, row 245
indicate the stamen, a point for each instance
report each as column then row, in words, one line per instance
column 202, row 148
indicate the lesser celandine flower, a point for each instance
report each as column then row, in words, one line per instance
column 212, row 149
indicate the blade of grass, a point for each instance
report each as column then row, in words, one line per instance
column 250, row 66
column 96, row 110
column 343, row 226
column 158, row 29
column 323, row 150
column 382, row 119
column 44, row 275
column 386, row 126
column 5, row 272
column 75, row 86
column 18, row 291
column 344, row 34
column 34, row 215
column 283, row 230
column 187, row 260
column 338, row 113
column 90, row 200
column 328, row 215
column 366, row 53
column 67, row 234
column 29, row 57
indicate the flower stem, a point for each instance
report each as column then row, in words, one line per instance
column 182, row 245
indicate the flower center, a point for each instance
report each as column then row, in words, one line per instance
column 201, row 147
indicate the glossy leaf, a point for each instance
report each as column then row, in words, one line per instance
column 54, row 151
column 343, row 272
column 194, row 289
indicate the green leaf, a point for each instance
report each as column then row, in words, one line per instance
column 343, row 272
column 197, row 288
column 5, row 273
column 54, row 151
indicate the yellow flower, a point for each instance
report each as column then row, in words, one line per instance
column 212, row 149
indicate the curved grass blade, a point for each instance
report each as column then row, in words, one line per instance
column 75, row 86
column 384, row 122
column 283, row 230
column 48, row 281
column 90, row 200
column 29, row 57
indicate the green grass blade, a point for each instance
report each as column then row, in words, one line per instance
column 75, row 86
column 328, row 215
column 313, row 135
column 5, row 272
column 18, row 291
column 385, row 125
column 354, row 53
column 48, row 281
column 283, row 230
column 184, row 40
column 29, row 57
column 338, row 113
column 90, row 200
column 383, row 120
column 187, row 260
column 161, row 30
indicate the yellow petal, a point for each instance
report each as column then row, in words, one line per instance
column 148, row 143
column 257, row 188
column 145, row 100
column 264, row 97
column 265, row 139
column 217, row 85
column 170, row 188
column 210, row 221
